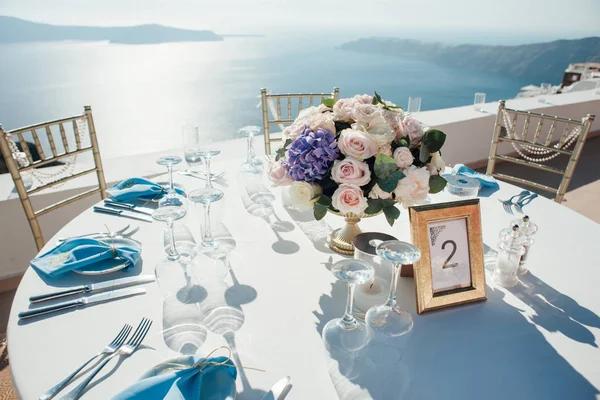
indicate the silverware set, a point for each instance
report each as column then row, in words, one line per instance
column 121, row 233
column 117, row 347
column 518, row 201
column 105, row 295
column 200, row 175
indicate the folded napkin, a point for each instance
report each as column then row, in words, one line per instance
column 488, row 183
column 78, row 253
column 138, row 188
column 192, row 378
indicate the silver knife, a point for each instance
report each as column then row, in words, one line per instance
column 122, row 213
column 127, row 206
column 94, row 287
column 84, row 302
column 279, row 389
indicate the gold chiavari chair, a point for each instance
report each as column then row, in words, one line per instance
column 532, row 148
column 293, row 103
column 57, row 143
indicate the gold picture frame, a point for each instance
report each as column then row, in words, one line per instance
column 445, row 283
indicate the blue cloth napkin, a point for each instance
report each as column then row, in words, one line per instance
column 138, row 188
column 488, row 183
column 214, row 382
column 78, row 253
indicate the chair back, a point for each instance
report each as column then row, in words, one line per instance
column 541, row 139
column 46, row 154
column 282, row 109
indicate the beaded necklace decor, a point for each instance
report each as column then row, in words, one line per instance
column 535, row 154
column 65, row 170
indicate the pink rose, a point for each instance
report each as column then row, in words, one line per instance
column 293, row 131
column 378, row 193
column 394, row 119
column 356, row 144
column 363, row 98
column 278, row 174
column 349, row 198
column 403, row 157
column 385, row 149
column 414, row 187
column 411, row 127
column 343, row 110
column 365, row 113
column 352, row 171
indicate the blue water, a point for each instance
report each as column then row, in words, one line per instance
column 141, row 95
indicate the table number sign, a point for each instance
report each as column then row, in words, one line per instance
column 451, row 269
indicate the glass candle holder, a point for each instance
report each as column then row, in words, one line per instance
column 375, row 292
column 510, row 250
column 529, row 229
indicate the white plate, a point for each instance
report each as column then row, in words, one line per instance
column 157, row 370
column 110, row 265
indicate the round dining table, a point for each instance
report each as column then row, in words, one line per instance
column 538, row 340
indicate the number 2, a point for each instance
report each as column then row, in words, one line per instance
column 446, row 265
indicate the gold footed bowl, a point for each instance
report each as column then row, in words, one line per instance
column 340, row 240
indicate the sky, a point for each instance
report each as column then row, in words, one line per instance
column 465, row 19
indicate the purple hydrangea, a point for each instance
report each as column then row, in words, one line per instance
column 311, row 154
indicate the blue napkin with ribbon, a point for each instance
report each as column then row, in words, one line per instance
column 488, row 183
column 194, row 378
column 138, row 188
column 78, row 253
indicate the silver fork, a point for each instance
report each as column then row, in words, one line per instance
column 523, row 202
column 507, row 204
column 109, row 349
column 125, row 350
column 108, row 234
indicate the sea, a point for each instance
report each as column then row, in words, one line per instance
column 141, row 95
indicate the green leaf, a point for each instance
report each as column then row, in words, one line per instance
column 328, row 102
column 434, row 140
column 389, row 184
column 403, row 143
column 375, row 205
column 391, row 214
column 324, row 200
column 280, row 153
column 385, row 166
column 319, row 211
column 378, row 98
column 436, row 184
column 424, row 154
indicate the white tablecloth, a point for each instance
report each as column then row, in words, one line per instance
column 535, row 341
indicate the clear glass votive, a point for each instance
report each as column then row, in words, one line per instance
column 479, row 101
column 414, row 104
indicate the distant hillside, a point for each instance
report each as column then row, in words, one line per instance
column 538, row 61
column 18, row 30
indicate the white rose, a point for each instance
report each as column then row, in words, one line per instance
column 306, row 113
column 365, row 113
column 343, row 110
column 394, row 119
column 378, row 193
column 385, row 149
column 403, row 157
column 323, row 121
column 363, row 99
column 349, row 198
column 293, row 131
column 301, row 194
column 414, row 187
column 378, row 129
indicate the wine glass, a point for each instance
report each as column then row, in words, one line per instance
column 206, row 198
column 347, row 335
column 389, row 320
column 206, row 154
column 253, row 163
column 191, row 145
column 172, row 198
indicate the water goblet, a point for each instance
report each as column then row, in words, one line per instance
column 346, row 336
column 172, row 198
column 388, row 320
column 253, row 163
column 205, row 198
column 206, row 154
column 191, row 145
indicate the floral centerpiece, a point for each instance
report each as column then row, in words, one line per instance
column 358, row 157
